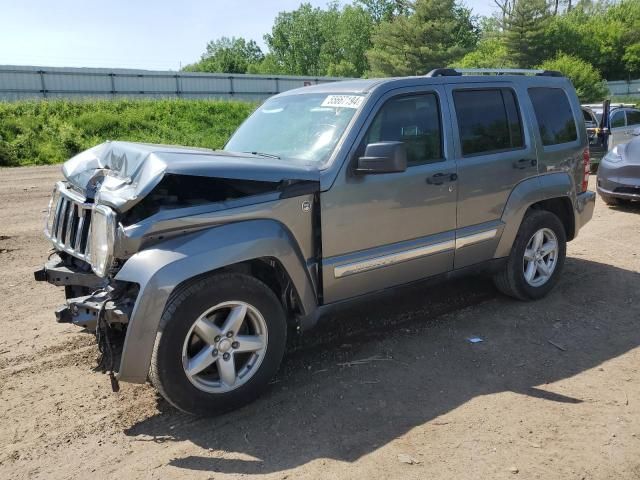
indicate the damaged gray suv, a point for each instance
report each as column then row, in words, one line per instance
column 194, row 266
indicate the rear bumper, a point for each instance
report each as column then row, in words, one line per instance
column 585, row 204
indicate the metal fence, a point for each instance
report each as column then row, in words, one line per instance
column 17, row 83
column 625, row 88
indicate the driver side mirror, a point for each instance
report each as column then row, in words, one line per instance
column 636, row 132
column 383, row 157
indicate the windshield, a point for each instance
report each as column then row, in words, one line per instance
column 301, row 127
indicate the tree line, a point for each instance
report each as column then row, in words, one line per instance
column 587, row 40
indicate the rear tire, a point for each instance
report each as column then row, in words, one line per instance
column 220, row 342
column 533, row 269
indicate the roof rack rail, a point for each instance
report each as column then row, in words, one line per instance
column 456, row 72
column 444, row 72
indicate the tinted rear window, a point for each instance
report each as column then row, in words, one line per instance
column 633, row 117
column 554, row 115
column 488, row 120
column 618, row 119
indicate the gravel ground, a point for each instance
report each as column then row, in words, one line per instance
column 552, row 392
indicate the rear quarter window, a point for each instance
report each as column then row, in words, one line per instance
column 554, row 115
column 633, row 117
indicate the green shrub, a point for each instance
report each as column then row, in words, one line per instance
column 585, row 77
column 43, row 132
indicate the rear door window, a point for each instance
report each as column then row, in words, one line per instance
column 554, row 115
column 617, row 119
column 633, row 117
column 488, row 121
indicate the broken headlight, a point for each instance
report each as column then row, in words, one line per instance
column 102, row 238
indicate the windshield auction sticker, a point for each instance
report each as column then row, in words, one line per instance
column 343, row 101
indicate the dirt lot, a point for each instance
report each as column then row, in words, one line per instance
column 553, row 391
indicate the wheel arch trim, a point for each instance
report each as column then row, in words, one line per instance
column 527, row 193
column 161, row 268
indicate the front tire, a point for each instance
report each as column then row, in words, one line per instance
column 220, row 342
column 536, row 259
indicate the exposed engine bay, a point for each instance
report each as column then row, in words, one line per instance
column 179, row 191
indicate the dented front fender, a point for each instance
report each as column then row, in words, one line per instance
column 160, row 269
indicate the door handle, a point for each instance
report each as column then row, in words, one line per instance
column 440, row 178
column 525, row 163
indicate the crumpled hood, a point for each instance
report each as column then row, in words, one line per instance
column 120, row 174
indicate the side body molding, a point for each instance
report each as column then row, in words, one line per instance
column 525, row 194
column 159, row 269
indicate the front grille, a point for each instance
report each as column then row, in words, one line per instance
column 68, row 222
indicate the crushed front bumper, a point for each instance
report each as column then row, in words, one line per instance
column 85, row 310
column 59, row 273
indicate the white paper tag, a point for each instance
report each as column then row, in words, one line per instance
column 343, row 101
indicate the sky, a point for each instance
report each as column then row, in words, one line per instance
column 155, row 35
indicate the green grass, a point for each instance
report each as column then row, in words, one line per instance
column 45, row 132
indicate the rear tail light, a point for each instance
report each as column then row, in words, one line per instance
column 586, row 161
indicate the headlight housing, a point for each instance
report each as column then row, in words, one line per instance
column 101, row 239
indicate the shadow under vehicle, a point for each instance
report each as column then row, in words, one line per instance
column 320, row 407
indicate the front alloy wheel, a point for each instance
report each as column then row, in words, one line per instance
column 220, row 342
column 224, row 347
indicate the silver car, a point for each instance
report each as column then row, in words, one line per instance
column 619, row 173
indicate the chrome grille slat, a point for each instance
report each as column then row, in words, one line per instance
column 56, row 219
column 71, row 211
column 69, row 228
column 62, row 222
column 78, row 240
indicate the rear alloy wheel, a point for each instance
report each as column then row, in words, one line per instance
column 221, row 341
column 536, row 259
column 540, row 257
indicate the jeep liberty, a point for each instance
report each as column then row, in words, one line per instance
column 193, row 266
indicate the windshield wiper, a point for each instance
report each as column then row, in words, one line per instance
column 261, row 154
